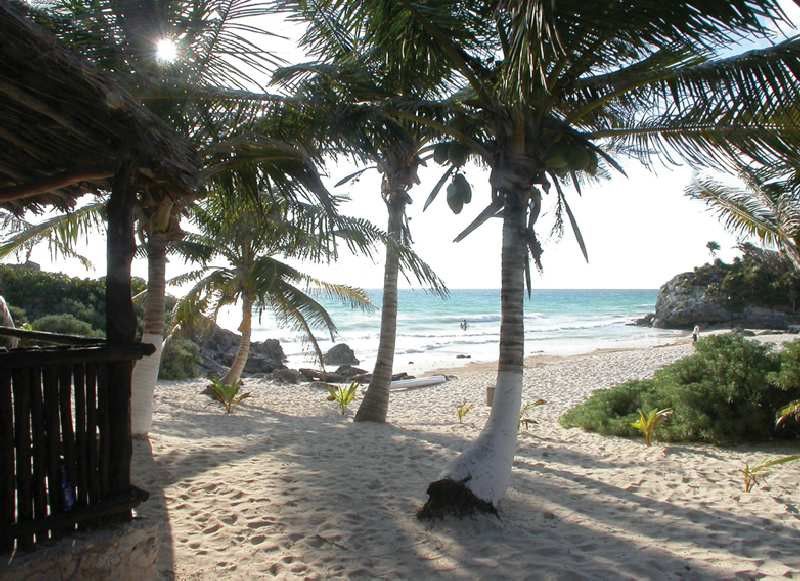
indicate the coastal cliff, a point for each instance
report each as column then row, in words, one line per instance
column 759, row 289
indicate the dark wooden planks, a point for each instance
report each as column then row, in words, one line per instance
column 7, row 488
column 22, row 441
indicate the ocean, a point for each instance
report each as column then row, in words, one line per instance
column 429, row 333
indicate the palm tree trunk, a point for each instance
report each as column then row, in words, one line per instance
column 246, row 328
column 376, row 399
column 479, row 477
column 145, row 372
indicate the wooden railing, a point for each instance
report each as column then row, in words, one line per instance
column 65, row 440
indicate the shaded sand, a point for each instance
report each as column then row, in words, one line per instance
column 287, row 488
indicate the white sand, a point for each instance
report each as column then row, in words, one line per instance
column 286, row 487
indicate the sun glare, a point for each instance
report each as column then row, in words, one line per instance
column 166, row 50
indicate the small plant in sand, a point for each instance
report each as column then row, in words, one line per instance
column 343, row 396
column 462, row 410
column 648, row 422
column 752, row 475
column 228, row 395
column 524, row 421
column 788, row 413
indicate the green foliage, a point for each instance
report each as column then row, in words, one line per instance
column 180, row 359
column 343, row 396
column 40, row 294
column 724, row 392
column 524, row 420
column 788, row 377
column 228, row 395
column 648, row 422
column 751, row 475
column 787, row 413
column 65, row 325
column 462, row 410
column 759, row 277
column 18, row 314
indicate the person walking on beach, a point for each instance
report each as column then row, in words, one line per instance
column 695, row 333
column 464, row 325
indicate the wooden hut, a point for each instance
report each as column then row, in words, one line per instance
column 66, row 129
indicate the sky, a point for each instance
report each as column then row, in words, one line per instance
column 640, row 231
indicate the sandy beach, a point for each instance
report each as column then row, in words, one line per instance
column 288, row 488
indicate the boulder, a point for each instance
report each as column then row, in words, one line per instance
column 287, row 375
column 340, row 354
column 646, row 321
column 349, row 371
column 218, row 347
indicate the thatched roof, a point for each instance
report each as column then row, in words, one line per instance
column 65, row 127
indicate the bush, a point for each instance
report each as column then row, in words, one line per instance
column 65, row 325
column 727, row 391
column 180, row 359
column 44, row 293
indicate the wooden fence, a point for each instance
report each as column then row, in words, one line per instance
column 65, row 440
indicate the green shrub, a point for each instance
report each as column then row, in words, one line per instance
column 18, row 314
column 727, row 391
column 65, row 325
column 180, row 359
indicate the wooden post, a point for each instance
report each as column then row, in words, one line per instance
column 82, row 478
column 22, row 438
column 120, row 324
column 7, row 492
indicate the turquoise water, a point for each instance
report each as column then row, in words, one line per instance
column 429, row 333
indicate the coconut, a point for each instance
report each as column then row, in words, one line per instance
column 457, row 154
column 455, row 198
column 464, row 189
column 440, row 153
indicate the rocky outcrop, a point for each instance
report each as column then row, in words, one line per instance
column 218, row 347
column 684, row 302
column 704, row 298
column 340, row 354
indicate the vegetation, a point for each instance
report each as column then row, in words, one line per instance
column 351, row 92
column 751, row 476
column 649, row 422
column 758, row 277
column 180, row 359
column 462, row 410
column 524, row 421
column 252, row 245
column 39, row 294
column 728, row 390
column 766, row 206
column 343, row 396
column 228, row 395
column 713, row 248
column 787, row 413
column 65, row 325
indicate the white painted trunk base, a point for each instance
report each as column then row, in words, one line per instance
column 486, row 464
column 143, row 382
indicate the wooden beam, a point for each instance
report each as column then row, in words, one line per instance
column 97, row 354
column 52, row 183
column 50, row 337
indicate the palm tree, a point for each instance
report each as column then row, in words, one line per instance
column 556, row 90
column 253, row 246
column 209, row 92
column 395, row 148
column 764, row 208
column 713, row 248
column 350, row 89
